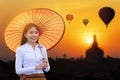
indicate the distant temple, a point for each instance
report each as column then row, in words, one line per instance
column 94, row 53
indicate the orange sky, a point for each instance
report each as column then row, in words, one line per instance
column 73, row 42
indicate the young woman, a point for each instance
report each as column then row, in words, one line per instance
column 31, row 58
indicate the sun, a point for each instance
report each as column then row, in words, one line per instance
column 89, row 40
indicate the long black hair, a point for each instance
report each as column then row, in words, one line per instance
column 27, row 27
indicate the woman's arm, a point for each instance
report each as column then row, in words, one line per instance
column 19, row 64
column 46, row 59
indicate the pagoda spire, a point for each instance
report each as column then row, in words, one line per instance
column 94, row 44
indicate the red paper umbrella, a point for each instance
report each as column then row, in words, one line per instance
column 51, row 26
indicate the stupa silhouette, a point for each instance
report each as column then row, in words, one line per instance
column 94, row 53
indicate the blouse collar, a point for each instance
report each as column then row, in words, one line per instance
column 37, row 45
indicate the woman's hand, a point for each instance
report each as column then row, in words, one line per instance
column 44, row 60
column 43, row 65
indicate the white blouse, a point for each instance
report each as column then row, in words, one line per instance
column 27, row 58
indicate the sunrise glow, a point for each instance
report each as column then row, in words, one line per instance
column 89, row 40
column 77, row 37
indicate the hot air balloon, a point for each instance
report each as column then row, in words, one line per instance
column 106, row 14
column 69, row 17
column 85, row 21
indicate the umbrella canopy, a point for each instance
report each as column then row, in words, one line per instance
column 51, row 26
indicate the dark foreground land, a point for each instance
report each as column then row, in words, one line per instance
column 71, row 69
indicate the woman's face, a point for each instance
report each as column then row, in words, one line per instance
column 32, row 35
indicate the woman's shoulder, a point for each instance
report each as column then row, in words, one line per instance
column 21, row 47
